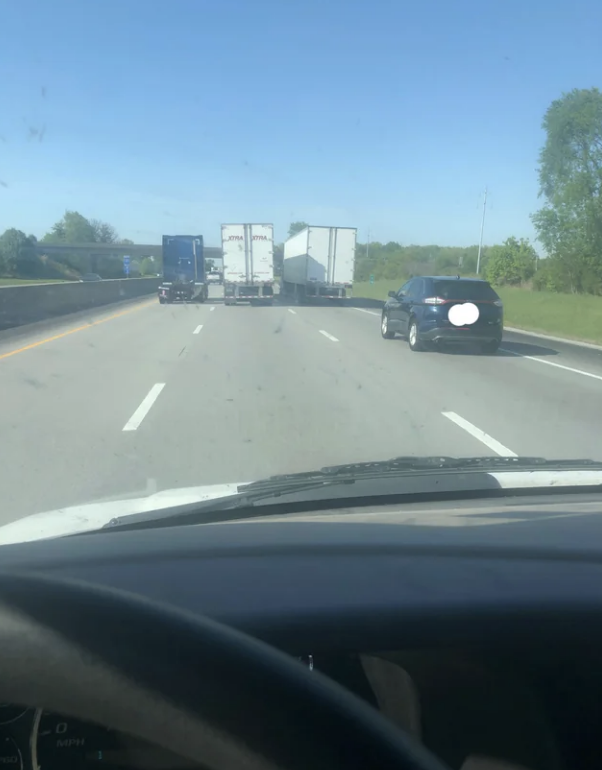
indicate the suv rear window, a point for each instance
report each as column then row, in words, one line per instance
column 465, row 290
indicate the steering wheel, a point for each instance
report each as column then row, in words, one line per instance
column 183, row 683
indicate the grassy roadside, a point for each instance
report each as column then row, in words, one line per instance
column 572, row 316
column 23, row 281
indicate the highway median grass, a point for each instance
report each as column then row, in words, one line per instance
column 570, row 316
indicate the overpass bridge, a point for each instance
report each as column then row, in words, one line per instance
column 115, row 250
column 97, row 257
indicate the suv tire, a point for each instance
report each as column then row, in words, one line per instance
column 414, row 338
column 490, row 348
column 386, row 333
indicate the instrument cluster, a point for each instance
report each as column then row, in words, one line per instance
column 32, row 739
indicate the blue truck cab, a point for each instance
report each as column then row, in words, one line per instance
column 183, row 270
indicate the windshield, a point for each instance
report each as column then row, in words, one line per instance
column 465, row 290
column 209, row 208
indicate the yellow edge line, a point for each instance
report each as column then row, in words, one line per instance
column 72, row 331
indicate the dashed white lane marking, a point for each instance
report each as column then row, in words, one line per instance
column 134, row 422
column 552, row 363
column 479, row 434
column 370, row 312
column 212, row 308
column 198, row 329
column 292, row 311
column 328, row 336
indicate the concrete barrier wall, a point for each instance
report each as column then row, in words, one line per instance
column 37, row 302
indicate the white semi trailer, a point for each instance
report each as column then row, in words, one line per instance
column 318, row 263
column 248, row 251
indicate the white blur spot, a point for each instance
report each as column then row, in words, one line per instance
column 463, row 315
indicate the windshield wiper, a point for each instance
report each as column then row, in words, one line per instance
column 287, row 485
column 411, row 464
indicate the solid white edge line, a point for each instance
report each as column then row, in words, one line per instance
column 134, row 422
column 370, row 312
column 479, row 434
column 292, row 311
column 328, row 336
column 198, row 329
column 552, row 363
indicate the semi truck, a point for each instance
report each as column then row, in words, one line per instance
column 248, row 251
column 318, row 263
column 183, row 270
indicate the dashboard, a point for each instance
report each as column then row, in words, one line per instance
column 481, row 640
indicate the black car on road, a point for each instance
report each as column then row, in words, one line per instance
column 435, row 310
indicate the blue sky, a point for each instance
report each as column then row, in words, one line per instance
column 391, row 116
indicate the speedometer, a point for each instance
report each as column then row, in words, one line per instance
column 10, row 756
column 62, row 743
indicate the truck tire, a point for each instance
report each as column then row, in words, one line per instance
column 161, row 300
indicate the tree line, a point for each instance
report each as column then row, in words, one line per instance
column 513, row 262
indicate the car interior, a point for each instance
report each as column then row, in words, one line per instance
column 360, row 638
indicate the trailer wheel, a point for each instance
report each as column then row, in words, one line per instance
column 161, row 300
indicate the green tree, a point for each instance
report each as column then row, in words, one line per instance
column 18, row 254
column 569, row 226
column 103, row 232
column 511, row 263
column 296, row 227
column 72, row 228
column 75, row 228
column 148, row 266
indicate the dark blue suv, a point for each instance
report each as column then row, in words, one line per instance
column 435, row 310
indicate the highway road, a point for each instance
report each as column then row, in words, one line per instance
column 141, row 397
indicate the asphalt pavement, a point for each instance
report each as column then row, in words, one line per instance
column 141, row 397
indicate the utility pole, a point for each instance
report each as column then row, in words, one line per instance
column 482, row 228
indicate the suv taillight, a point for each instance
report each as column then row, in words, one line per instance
column 499, row 303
